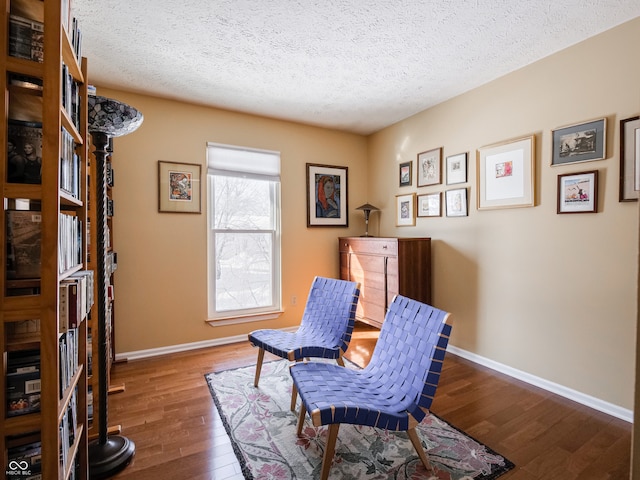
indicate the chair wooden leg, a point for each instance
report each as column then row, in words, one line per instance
column 294, row 397
column 340, row 361
column 413, row 436
column 303, row 412
column 329, row 450
column 258, row 366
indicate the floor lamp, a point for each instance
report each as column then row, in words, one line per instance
column 107, row 118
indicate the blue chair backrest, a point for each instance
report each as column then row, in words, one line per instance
column 410, row 351
column 331, row 310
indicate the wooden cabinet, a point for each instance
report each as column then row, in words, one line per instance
column 385, row 267
column 43, row 284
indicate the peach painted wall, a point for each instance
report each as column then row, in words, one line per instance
column 161, row 281
column 551, row 295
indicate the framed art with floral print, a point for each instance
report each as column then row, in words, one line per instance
column 429, row 166
column 505, row 174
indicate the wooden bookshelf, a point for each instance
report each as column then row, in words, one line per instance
column 27, row 301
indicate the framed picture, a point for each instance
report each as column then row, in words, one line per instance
column 578, row 192
column 583, row 142
column 405, row 174
column 629, row 159
column 456, row 202
column 429, row 205
column 178, row 187
column 429, row 167
column 506, row 174
column 327, row 196
column 457, row 168
column 405, row 210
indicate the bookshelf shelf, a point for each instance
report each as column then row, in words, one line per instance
column 44, row 289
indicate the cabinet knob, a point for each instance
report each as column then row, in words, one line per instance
column 384, row 247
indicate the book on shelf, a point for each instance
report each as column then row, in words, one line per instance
column 24, row 237
column 24, row 152
column 26, row 38
column 23, row 382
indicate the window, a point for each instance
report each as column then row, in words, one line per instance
column 244, row 231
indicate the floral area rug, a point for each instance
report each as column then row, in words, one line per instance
column 263, row 434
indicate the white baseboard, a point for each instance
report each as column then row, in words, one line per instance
column 576, row 396
column 582, row 398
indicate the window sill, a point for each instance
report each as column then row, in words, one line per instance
column 223, row 321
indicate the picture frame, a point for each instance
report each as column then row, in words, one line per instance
column 406, row 170
column 429, row 205
column 630, row 159
column 456, row 202
column 578, row 192
column 323, row 211
column 506, row 174
column 456, row 168
column 429, row 167
column 179, row 187
column 582, row 142
column 405, row 210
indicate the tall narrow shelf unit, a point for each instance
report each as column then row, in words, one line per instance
column 35, row 306
column 110, row 267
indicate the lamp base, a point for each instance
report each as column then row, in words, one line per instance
column 105, row 460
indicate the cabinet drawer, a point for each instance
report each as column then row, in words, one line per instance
column 369, row 245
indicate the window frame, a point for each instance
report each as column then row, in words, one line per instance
column 255, row 313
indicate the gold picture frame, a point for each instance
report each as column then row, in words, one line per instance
column 179, row 187
column 506, row 174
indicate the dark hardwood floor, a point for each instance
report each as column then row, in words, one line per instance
column 167, row 410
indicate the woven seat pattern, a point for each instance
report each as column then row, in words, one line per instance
column 399, row 381
column 326, row 326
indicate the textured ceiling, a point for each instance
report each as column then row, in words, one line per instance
column 353, row 65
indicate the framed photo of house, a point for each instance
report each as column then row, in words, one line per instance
column 582, row 142
column 630, row 159
column 506, row 174
column 179, row 187
column 327, row 196
column 405, row 174
column 457, row 168
column 429, row 167
column 456, row 202
column 405, row 210
column 429, row 205
column 578, row 192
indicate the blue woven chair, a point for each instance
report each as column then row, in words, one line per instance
column 394, row 391
column 325, row 329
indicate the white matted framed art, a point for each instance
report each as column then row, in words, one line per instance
column 429, row 205
column 457, row 168
column 327, row 196
column 406, row 210
column 578, row 192
column 630, row 159
column 456, row 201
column 429, row 167
column 506, row 174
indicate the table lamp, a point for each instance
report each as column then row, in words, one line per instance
column 367, row 208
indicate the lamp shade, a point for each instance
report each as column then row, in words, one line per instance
column 368, row 207
column 112, row 117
